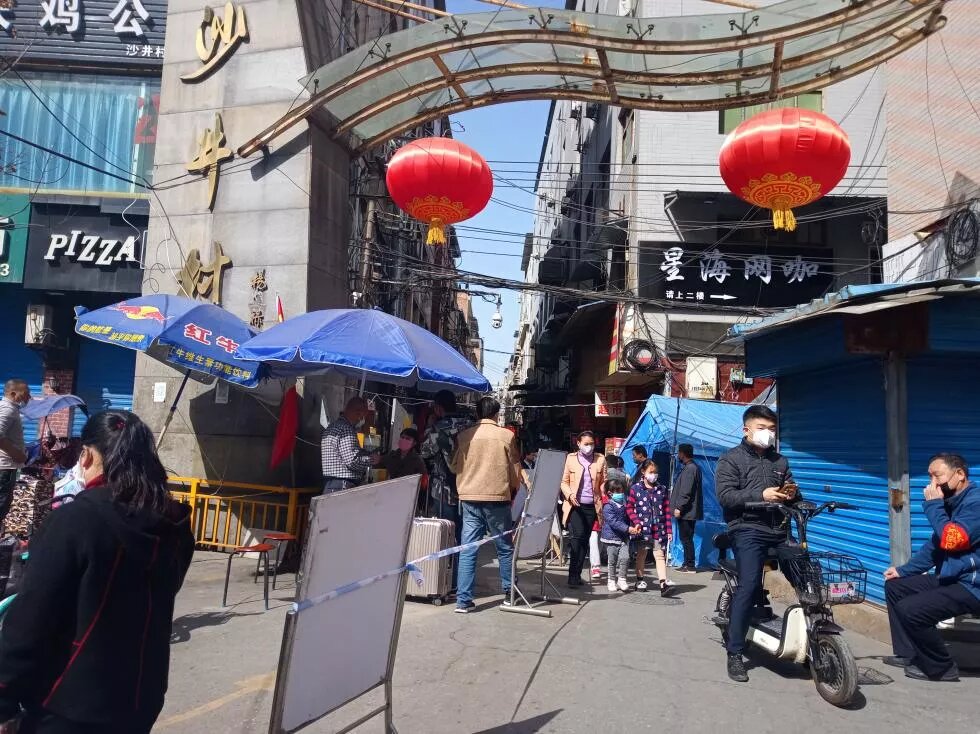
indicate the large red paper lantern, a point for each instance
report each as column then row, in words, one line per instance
column 439, row 181
column 783, row 159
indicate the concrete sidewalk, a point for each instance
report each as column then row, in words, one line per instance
column 634, row 662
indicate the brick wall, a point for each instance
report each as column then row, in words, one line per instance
column 941, row 77
column 59, row 382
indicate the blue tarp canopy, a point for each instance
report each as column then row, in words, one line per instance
column 711, row 428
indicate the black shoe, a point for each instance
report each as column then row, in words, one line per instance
column 896, row 661
column 736, row 668
column 686, row 569
column 665, row 590
column 574, row 582
column 952, row 674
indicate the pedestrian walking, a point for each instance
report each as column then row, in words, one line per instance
column 85, row 645
column 616, row 534
column 13, row 452
column 688, row 503
column 918, row 600
column 437, row 450
column 344, row 462
column 639, row 456
column 487, row 465
column 648, row 508
column 581, row 486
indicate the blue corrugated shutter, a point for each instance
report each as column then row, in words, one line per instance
column 18, row 361
column 104, row 379
column 944, row 415
column 832, row 430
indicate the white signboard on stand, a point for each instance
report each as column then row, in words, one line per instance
column 336, row 650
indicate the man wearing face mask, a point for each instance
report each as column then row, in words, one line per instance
column 344, row 462
column 13, row 453
column 753, row 471
column 918, row 600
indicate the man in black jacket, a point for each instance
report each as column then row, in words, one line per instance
column 688, row 504
column 753, row 471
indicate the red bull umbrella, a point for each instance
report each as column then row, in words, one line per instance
column 188, row 334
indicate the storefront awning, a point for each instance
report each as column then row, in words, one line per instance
column 718, row 61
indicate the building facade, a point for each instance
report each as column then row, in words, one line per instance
column 631, row 208
column 933, row 160
column 79, row 92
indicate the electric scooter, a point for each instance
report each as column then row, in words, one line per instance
column 806, row 632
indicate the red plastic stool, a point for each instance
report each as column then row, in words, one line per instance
column 263, row 550
column 279, row 539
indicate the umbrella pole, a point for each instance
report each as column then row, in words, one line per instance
column 173, row 408
column 363, row 380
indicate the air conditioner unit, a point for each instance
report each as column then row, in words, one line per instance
column 40, row 321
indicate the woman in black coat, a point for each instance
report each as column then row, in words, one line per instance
column 85, row 646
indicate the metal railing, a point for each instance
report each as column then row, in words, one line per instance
column 228, row 515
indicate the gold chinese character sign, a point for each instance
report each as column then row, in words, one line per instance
column 210, row 155
column 217, row 39
column 198, row 280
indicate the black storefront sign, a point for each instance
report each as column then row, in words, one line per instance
column 733, row 275
column 84, row 33
column 82, row 248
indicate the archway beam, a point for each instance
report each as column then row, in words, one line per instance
column 595, row 63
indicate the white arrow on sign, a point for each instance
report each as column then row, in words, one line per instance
column 725, row 297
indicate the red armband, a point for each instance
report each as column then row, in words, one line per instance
column 954, row 538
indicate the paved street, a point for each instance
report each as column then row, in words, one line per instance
column 606, row 665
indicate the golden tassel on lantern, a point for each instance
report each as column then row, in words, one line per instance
column 437, row 232
column 783, row 219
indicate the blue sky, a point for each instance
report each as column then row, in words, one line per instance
column 506, row 132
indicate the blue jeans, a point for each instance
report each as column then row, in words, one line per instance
column 480, row 519
column 751, row 547
column 451, row 512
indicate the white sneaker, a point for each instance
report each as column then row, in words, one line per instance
column 641, row 585
column 622, row 585
column 669, row 583
column 611, row 586
column 596, row 572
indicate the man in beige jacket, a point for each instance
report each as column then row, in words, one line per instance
column 487, row 465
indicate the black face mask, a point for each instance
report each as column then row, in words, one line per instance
column 947, row 492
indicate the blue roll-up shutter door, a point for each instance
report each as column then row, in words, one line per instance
column 18, row 361
column 104, row 379
column 940, row 424
column 832, row 430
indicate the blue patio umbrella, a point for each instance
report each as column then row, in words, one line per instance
column 191, row 335
column 364, row 344
column 42, row 406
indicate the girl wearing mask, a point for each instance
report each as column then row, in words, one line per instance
column 405, row 460
column 85, row 646
column 648, row 508
column 581, row 486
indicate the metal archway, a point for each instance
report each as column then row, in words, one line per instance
column 685, row 63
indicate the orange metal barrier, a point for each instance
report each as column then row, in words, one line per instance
column 228, row 515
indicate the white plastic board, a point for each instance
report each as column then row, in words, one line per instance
column 338, row 650
column 543, row 499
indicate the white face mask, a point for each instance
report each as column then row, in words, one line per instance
column 586, row 450
column 651, row 478
column 763, row 438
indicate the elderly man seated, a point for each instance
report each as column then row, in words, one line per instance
column 917, row 600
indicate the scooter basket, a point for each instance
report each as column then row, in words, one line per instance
column 828, row 578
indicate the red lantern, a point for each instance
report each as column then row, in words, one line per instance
column 439, row 181
column 784, row 158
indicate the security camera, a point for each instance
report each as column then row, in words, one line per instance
column 496, row 321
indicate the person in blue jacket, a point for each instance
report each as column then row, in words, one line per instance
column 918, row 600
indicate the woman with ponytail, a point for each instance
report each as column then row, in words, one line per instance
column 85, row 646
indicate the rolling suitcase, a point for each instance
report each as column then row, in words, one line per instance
column 429, row 535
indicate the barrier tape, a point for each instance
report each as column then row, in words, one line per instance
column 412, row 566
